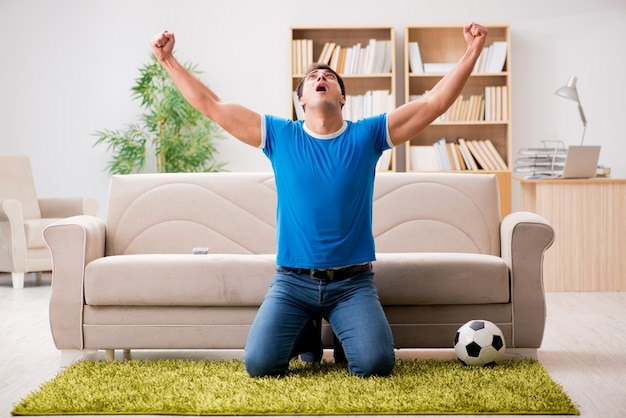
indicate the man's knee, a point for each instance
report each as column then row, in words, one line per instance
column 374, row 364
column 260, row 364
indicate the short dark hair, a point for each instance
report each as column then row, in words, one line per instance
column 320, row 66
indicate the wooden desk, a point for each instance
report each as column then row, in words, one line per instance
column 589, row 219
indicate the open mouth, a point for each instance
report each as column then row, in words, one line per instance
column 321, row 88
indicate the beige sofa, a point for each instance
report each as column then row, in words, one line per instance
column 443, row 257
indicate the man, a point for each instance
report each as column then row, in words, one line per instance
column 324, row 171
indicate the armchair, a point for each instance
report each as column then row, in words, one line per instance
column 23, row 218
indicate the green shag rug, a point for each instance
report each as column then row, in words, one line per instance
column 184, row 387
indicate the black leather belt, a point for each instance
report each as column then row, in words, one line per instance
column 328, row 275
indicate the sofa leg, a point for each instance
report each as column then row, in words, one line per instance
column 18, row 280
column 109, row 355
column 126, row 354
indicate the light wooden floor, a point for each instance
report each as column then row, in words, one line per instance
column 584, row 348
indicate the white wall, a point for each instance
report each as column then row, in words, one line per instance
column 68, row 65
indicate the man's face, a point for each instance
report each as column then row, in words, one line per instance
column 321, row 86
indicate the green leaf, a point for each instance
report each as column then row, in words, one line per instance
column 183, row 140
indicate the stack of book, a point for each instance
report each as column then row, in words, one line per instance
column 479, row 154
column 492, row 106
column 373, row 58
column 372, row 103
column 465, row 109
column 491, row 60
column 496, row 103
column 357, row 107
column 301, row 55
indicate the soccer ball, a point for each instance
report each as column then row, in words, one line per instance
column 479, row 343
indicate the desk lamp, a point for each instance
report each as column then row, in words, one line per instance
column 570, row 92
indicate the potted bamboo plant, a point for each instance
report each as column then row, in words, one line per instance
column 180, row 138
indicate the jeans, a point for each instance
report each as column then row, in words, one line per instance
column 310, row 348
column 352, row 308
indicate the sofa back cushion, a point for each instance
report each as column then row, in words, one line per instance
column 230, row 213
column 437, row 212
column 16, row 182
column 235, row 213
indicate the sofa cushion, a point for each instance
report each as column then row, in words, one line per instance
column 179, row 280
column 33, row 228
column 436, row 212
column 243, row 280
column 441, row 279
column 231, row 213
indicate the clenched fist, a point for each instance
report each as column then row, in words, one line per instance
column 162, row 45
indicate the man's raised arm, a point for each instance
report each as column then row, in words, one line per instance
column 408, row 120
column 240, row 122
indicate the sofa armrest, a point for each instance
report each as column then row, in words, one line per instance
column 525, row 236
column 66, row 207
column 73, row 242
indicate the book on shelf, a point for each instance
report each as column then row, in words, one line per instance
column 301, row 55
column 462, row 155
column 492, row 106
column 479, row 67
column 496, row 57
column 470, row 109
column 492, row 58
column 351, row 56
column 497, row 158
column 297, row 106
column 441, row 152
column 478, row 154
column 373, row 102
column 307, row 56
column 327, row 53
column 423, row 158
column 378, row 55
column 470, row 162
column 438, row 67
column 498, row 107
column 491, row 160
column 454, row 157
column 489, row 99
column 333, row 61
column 496, row 103
column 415, row 59
column 375, row 57
column 487, row 155
column 460, row 158
column 505, row 103
column 387, row 63
column 295, row 56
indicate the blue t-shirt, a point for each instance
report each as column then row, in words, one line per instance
column 325, row 188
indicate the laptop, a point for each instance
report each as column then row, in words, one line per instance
column 581, row 162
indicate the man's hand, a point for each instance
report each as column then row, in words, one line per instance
column 475, row 35
column 162, row 45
